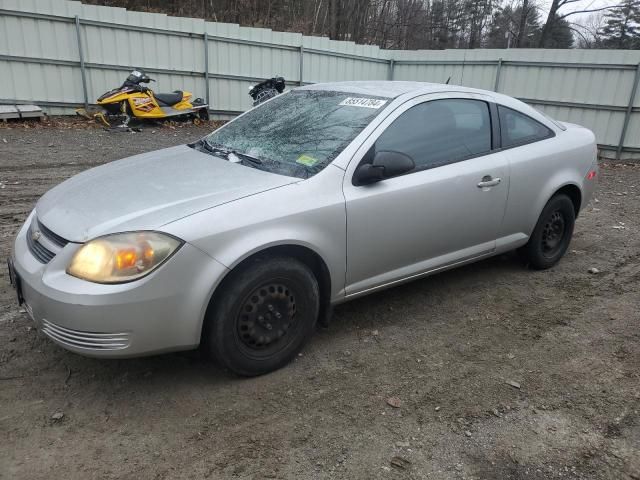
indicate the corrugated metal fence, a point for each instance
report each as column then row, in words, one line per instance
column 62, row 54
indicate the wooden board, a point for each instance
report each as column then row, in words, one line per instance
column 9, row 112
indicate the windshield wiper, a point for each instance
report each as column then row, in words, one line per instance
column 218, row 149
column 211, row 148
column 244, row 156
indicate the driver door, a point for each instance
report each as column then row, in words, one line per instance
column 446, row 211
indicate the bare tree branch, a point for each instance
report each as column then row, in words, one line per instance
column 588, row 11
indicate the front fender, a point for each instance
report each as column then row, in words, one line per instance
column 309, row 214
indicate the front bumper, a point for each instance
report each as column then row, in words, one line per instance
column 158, row 313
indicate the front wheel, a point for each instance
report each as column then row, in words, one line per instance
column 552, row 234
column 263, row 315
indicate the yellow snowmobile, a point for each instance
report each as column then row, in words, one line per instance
column 133, row 99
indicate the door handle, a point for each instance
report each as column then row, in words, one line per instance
column 489, row 181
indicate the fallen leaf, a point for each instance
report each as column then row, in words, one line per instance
column 394, row 402
column 400, row 463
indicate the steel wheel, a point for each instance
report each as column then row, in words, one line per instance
column 267, row 319
column 262, row 315
column 553, row 233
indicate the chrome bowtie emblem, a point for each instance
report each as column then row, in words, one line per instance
column 35, row 236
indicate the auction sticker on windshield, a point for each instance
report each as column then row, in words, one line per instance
column 363, row 102
column 307, row 160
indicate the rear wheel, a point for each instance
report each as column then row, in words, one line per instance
column 552, row 234
column 263, row 315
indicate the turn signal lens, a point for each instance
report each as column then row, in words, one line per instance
column 122, row 257
column 126, row 259
column 591, row 175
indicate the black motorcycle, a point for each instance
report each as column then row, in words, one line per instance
column 266, row 90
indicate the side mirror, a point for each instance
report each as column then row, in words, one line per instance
column 386, row 164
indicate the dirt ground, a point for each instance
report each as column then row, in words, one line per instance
column 498, row 372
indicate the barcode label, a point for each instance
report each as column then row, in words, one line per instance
column 363, row 102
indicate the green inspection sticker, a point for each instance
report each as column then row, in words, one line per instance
column 307, row 160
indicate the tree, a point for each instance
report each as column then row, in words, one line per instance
column 555, row 18
column 475, row 14
column 526, row 12
column 514, row 27
column 590, row 31
column 406, row 24
column 560, row 36
column 622, row 29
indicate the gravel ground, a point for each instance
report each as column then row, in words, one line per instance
column 494, row 371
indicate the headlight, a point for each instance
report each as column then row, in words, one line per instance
column 122, row 257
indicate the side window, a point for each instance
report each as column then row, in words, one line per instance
column 518, row 129
column 439, row 132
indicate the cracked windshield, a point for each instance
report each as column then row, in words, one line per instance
column 298, row 133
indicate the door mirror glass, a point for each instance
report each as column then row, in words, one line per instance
column 386, row 164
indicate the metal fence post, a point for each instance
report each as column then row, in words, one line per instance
column 391, row 68
column 627, row 115
column 497, row 82
column 82, row 69
column 206, row 69
column 301, row 72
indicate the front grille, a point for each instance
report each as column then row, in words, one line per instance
column 42, row 254
column 57, row 239
column 86, row 340
column 43, row 243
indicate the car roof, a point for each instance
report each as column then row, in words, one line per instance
column 390, row 89
column 393, row 88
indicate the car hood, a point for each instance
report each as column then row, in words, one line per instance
column 147, row 191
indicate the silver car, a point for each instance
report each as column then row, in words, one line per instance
column 244, row 240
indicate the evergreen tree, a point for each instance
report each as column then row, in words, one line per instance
column 560, row 36
column 622, row 29
column 510, row 27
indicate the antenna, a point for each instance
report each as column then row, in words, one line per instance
column 447, row 82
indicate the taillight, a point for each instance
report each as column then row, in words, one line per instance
column 591, row 175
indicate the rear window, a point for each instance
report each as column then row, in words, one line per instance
column 552, row 120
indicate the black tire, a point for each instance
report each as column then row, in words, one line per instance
column 262, row 316
column 551, row 236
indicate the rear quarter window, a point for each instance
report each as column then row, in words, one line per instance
column 516, row 128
